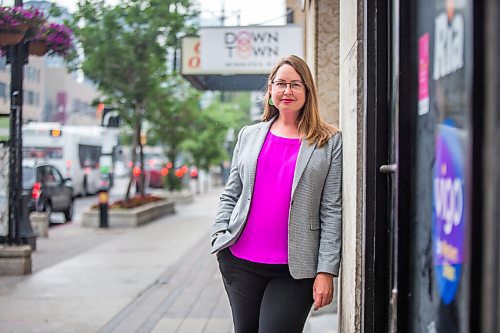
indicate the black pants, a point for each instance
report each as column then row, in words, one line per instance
column 264, row 298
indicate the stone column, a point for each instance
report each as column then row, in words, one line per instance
column 351, row 123
column 327, row 59
column 334, row 51
column 322, row 37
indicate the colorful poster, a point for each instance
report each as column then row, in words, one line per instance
column 448, row 210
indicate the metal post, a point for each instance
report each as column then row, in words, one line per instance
column 18, row 226
column 16, row 59
column 103, row 196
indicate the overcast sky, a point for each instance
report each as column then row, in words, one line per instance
column 267, row 12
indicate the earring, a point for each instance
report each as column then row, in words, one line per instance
column 271, row 101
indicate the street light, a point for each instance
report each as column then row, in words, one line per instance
column 19, row 227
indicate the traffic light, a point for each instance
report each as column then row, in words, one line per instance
column 99, row 110
column 110, row 117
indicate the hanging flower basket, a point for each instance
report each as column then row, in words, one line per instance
column 13, row 35
column 57, row 38
column 38, row 48
column 17, row 23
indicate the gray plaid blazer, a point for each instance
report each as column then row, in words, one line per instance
column 315, row 219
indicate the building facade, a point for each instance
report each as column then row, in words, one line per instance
column 51, row 92
column 34, row 92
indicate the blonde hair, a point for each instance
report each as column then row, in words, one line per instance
column 311, row 126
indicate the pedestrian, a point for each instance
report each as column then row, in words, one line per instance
column 277, row 231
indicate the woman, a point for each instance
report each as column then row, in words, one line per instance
column 277, row 232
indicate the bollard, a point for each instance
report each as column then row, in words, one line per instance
column 103, row 207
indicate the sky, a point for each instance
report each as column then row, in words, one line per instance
column 266, row 12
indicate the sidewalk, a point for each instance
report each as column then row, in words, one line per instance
column 156, row 278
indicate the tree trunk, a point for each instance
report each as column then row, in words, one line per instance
column 135, row 141
column 172, row 156
column 198, row 187
column 131, row 175
column 142, row 177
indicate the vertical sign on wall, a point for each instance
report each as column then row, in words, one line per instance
column 449, row 208
column 423, row 74
column 451, row 99
column 443, row 52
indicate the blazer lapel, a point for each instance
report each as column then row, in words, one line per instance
column 260, row 137
column 305, row 153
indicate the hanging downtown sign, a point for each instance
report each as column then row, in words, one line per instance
column 240, row 50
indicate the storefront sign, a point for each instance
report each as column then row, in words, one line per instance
column 448, row 44
column 247, row 50
column 191, row 60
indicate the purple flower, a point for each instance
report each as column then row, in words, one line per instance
column 15, row 16
column 57, row 36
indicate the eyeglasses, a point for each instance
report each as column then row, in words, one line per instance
column 295, row 86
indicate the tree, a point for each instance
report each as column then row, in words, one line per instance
column 124, row 50
column 173, row 113
column 209, row 144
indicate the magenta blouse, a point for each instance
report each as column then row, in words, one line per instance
column 265, row 236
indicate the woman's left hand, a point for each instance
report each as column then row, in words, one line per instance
column 322, row 290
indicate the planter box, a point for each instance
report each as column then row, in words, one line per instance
column 15, row 260
column 181, row 197
column 126, row 218
column 40, row 224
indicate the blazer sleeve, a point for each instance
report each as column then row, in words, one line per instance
column 231, row 192
column 331, row 213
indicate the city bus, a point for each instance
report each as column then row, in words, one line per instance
column 74, row 150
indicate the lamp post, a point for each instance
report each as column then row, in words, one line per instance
column 19, row 227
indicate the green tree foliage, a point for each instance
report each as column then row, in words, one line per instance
column 184, row 129
column 172, row 114
column 124, row 50
column 210, row 144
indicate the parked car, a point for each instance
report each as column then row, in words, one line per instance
column 48, row 190
column 154, row 171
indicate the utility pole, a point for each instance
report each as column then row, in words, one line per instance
column 222, row 16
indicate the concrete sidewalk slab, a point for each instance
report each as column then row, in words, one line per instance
column 156, row 278
column 84, row 292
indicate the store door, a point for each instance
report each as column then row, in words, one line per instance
column 434, row 204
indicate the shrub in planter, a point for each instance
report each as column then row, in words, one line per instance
column 174, row 181
column 132, row 202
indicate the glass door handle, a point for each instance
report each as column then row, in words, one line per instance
column 388, row 168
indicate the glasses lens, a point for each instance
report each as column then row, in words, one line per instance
column 296, row 86
column 280, row 86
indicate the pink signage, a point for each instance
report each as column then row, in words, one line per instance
column 423, row 74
